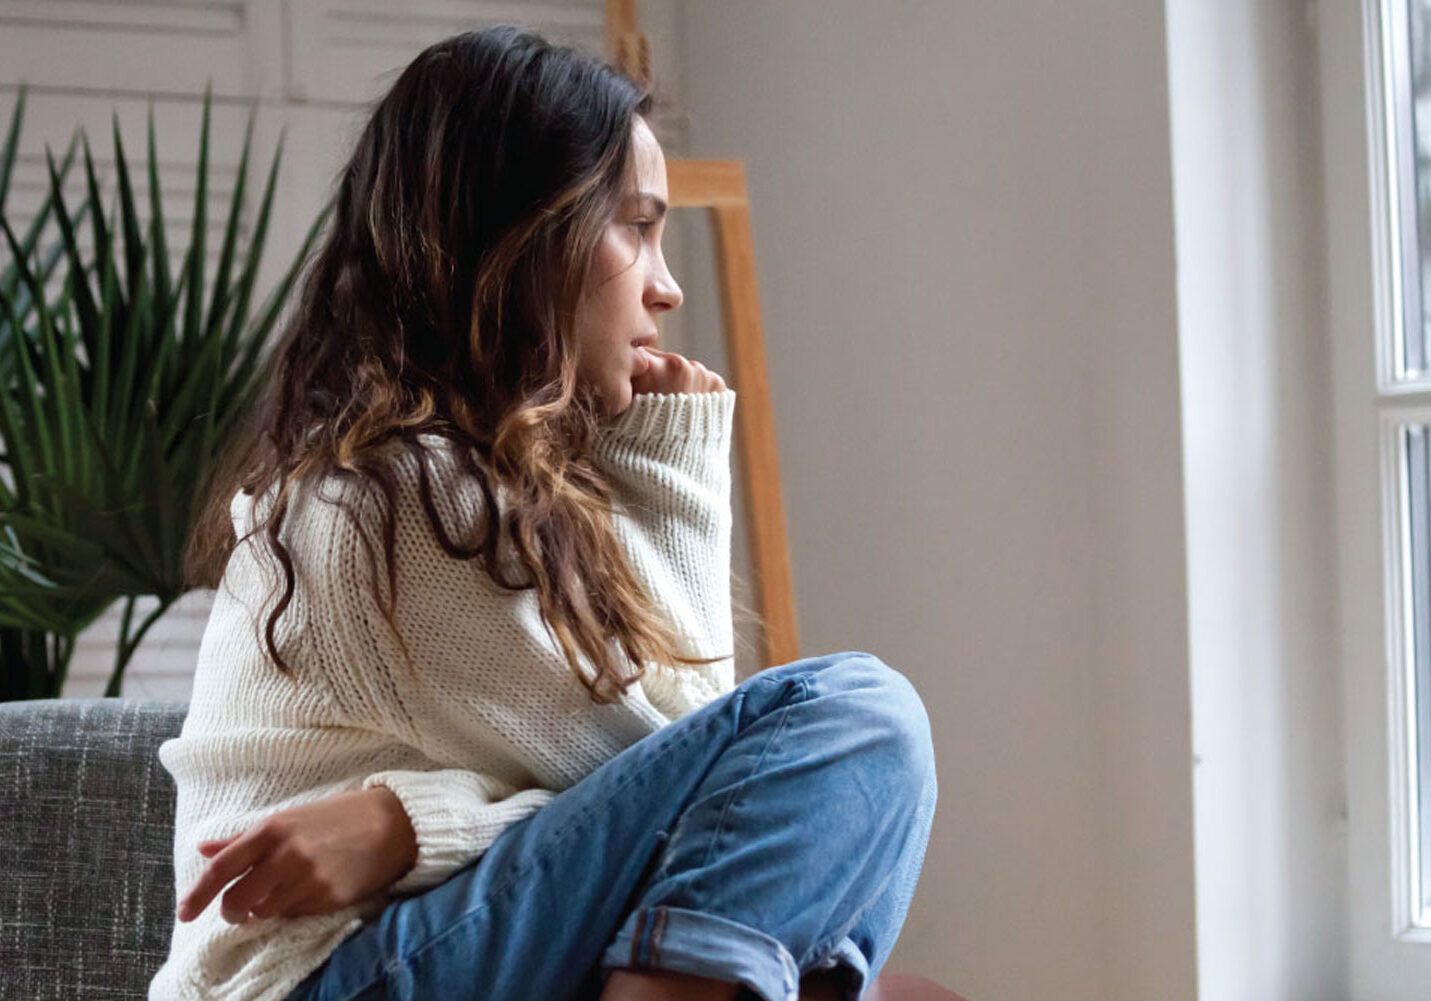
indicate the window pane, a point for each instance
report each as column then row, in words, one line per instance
column 1410, row 65
column 1416, row 454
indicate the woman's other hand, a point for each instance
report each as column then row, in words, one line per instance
column 312, row 859
column 672, row 373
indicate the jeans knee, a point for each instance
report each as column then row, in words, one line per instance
column 888, row 704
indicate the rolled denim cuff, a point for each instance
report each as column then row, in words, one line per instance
column 847, row 954
column 705, row 945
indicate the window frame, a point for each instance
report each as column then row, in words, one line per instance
column 1389, row 952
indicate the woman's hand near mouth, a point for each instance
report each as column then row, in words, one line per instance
column 673, row 373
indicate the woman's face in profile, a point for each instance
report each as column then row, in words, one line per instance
column 631, row 281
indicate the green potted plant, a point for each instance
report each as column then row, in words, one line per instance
column 116, row 393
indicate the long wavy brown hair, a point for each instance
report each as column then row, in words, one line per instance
column 441, row 302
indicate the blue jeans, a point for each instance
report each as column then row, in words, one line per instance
column 777, row 830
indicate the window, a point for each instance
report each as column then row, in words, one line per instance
column 1406, row 454
column 1379, row 251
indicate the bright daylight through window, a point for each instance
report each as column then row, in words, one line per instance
column 1406, row 368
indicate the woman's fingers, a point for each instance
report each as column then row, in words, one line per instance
column 657, row 374
column 302, row 905
column 707, row 381
column 326, row 854
column 280, row 876
column 228, row 864
column 673, row 373
column 281, row 900
column 208, row 849
column 240, row 898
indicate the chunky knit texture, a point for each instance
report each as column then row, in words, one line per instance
column 481, row 727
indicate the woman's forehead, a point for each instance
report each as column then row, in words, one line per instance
column 648, row 162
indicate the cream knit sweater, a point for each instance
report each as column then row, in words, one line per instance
column 493, row 723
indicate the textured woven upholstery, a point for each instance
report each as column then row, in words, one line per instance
column 86, row 860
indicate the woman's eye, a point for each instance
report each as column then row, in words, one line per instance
column 644, row 225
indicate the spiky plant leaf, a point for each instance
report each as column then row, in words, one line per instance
column 115, row 399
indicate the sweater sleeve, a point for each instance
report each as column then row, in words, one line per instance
column 455, row 814
column 667, row 457
column 466, row 676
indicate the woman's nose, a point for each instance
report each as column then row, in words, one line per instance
column 665, row 293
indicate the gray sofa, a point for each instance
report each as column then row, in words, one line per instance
column 86, row 858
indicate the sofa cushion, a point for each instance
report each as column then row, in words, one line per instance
column 87, row 898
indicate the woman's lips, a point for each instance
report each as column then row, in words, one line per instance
column 643, row 362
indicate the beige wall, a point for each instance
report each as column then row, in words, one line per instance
column 964, row 235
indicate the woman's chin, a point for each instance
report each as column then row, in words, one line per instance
column 618, row 400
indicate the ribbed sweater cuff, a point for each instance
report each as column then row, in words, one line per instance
column 674, row 419
column 453, row 821
column 681, row 688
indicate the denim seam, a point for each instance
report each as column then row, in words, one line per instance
column 656, row 933
column 586, row 813
column 636, row 937
column 818, row 954
column 730, row 800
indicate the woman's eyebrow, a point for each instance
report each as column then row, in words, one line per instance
column 658, row 203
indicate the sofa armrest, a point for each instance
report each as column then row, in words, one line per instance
column 88, row 847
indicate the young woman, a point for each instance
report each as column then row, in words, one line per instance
column 464, row 723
